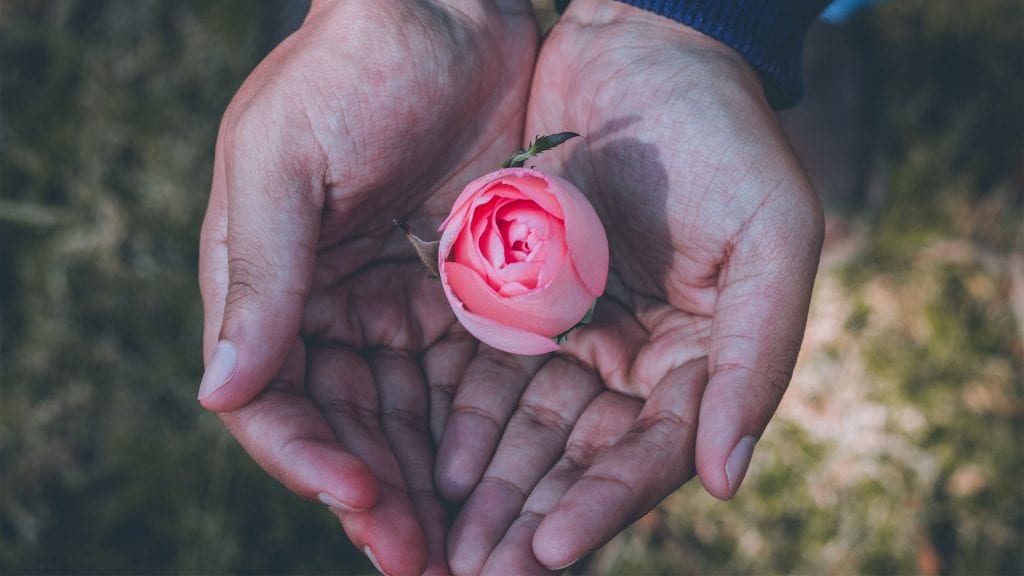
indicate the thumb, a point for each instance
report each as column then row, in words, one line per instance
column 756, row 335
column 271, row 221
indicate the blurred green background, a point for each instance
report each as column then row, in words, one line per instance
column 898, row 448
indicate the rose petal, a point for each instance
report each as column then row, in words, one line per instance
column 506, row 338
column 554, row 250
column 527, row 213
column 535, row 186
column 504, row 190
column 513, row 289
column 463, row 201
column 465, row 250
column 491, row 246
column 525, row 273
column 565, row 299
column 479, row 298
column 548, row 312
column 584, row 235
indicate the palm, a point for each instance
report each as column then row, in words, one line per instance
column 387, row 119
column 701, row 201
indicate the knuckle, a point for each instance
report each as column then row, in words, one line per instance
column 581, row 453
column 247, row 273
column 666, row 428
column 478, row 412
column 770, row 382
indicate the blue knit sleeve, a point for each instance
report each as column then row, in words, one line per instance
column 769, row 34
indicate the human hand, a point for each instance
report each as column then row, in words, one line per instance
column 714, row 234
column 322, row 333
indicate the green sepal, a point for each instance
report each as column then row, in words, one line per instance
column 539, row 144
column 583, row 322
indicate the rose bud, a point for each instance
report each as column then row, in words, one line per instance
column 523, row 258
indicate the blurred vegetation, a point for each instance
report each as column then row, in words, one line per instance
column 897, row 450
column 110, row 110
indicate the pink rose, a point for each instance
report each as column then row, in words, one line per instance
column 523, row 257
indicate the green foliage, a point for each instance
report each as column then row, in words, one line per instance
column 109, row 116
column 539, row 145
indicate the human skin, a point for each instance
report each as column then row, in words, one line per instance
column 338, row 341
column 325, row 341
column 714, row 234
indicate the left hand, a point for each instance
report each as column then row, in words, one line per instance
column 324, row 339
column 714, row 234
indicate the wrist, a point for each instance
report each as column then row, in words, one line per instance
column 613, row 23
column 766, row 34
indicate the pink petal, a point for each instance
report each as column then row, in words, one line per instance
column 525, row 273
column 465, row 250
column 564, row 300
column 554, row 251
column 546, row 312
column 522, row 312
column 501, row 189
column 508, row 339
column 534, row 185
column 513, row 289
column 491, row 246
column 469, row 193
column 525, row 213
column 584, row 235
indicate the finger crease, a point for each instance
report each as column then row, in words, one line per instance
column 400, row 417
column 347, row 409
column 480, row 413
column 508, row 486
column 546, row 418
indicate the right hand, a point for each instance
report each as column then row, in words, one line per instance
column 714, row 234
column 322, row 334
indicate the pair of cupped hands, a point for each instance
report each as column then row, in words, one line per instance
column 337, row 363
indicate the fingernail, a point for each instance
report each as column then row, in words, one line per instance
column 373, row 559
column 739, row 460
column 219, row 370
column 333, row 502
column 563, row 567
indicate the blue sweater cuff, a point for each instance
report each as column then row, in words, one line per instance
column 769, row 34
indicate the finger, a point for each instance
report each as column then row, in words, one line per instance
column 603, row 423
column 756, row 333
column 288, row 437
column 533, row 440
column 487, row 395
column 606, row 419
column 213, row 256
column 514, row 555
column 653, row 459
column 403, row 408
column 444, row 365
column 273, row 221
column 342, row 385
